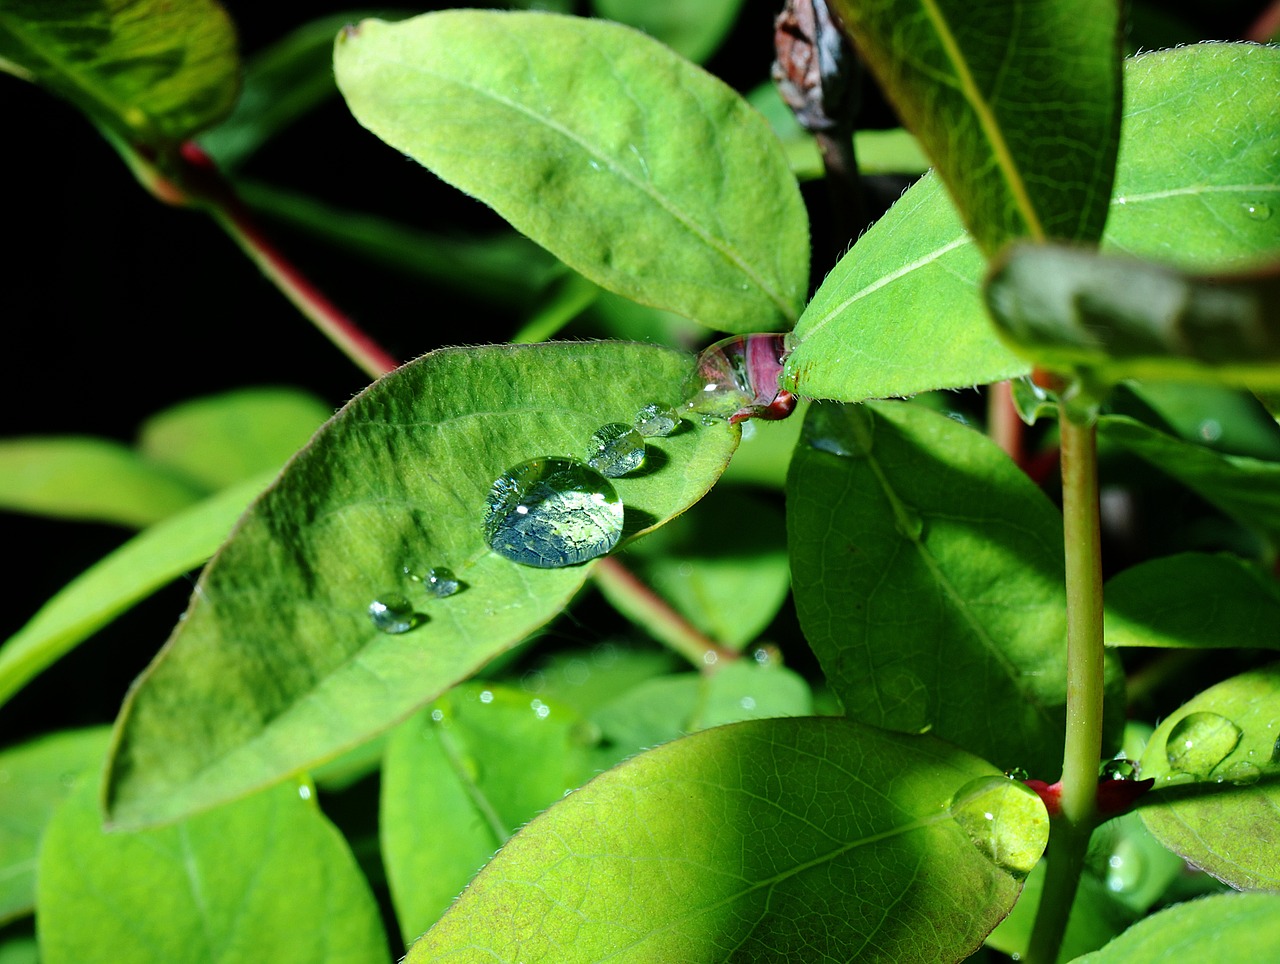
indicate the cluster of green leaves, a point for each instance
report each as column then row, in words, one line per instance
column 705, row 814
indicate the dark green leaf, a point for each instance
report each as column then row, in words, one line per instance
column 1216, row 800
column 1025, row 142
column 1193, row 600
column 142, row 565
column 34, row 778
column 693, row 30
column 1236, row 927
column 769, row 840
column 1197, row 155
column 1224, row 419
column 264, row 879
column 637, row 169
column 277, row 665
column 153, row 71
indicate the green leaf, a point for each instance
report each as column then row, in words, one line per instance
column 1193, row 600
column 126, row 576
column 277, row 665
column 589, row 679
column 222, row 439
column 265, row 879
column 693, row 30
column 89, row 478
column 928, row 579
column 153, row 71
column 461, row 777
column 1239, row 927
column 1118, row 318
column 1025, row 142
column 764, row 454
column 1197, row 152
column 1246, row 489
column 766, row 840
column 1216, row 800
column 637, row 169
column 1224, row 419
column 34, row 778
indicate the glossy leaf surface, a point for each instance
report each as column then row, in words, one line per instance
column 1194, row 600
column 151, row 70
column 1025, row 142
column 209, row 889
column 762, row 840
column 1197, row 156
column 1216, row 800
column 928, row 580
column 1241, row 927
column 277, row 664
column 640, row 171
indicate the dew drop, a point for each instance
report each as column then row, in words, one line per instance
column 1017, row 773
column 304, row 792
column 656, row 420
column 1118, row 769
column 1004, row 819
column 393, row 614
column 1275, row 751
column 552, row 512
column 747, row 703
column 1210, row 430
column 1199, row 742
column 737, row 378
column 441, row 582
column 1126, row 868
column 616, row 449
column 486, row 697
column 1257, row 210
column 1242, row 774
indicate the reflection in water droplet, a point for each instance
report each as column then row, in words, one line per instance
column 486, row 696
column 657, row 420
column 441, row 582
column 1017, row 773
column 1118, row 769
column 1242, row 774
column 393, row 614
column 1126, row 868
column 615, row 450
column 1257, row 210
column 1199, row 742
column 738, row 377
column 552, row 512
column 1005, row 820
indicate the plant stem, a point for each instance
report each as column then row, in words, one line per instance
column 1069, row 837
column 1004, row 425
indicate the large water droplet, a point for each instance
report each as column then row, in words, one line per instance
column 552, row 512
column 441, row 582
column 1199, row 742
column 393, row 614
column 1257, row 210
column 656, row 420
column 737, row 378
column 1005, row 820
column 616, row 449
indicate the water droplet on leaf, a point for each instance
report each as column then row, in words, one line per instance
column 1126, row 868
column 441, row 582
column 1257, row 210
column 1242, row 774
column 552, row 512
column 616, row 449
column 393, row 614
column 737, row 378
column 1005, row 820
column 656, row 420
column 1199, row 742
column 1118, row 769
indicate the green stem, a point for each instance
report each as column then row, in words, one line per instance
column 1069, row 838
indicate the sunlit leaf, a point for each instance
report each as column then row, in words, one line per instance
column 637, row 169
column 278, row 666
column 1239, row 927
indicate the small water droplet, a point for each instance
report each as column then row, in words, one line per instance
column 1126, row 868
column 486, row 696
column 1118, row 769
column 552, row 512
column 393, row 614
column 747, row 703
column 710, row 658
column 441, row 582
column 656, row 420
column 1199, row 742
column 1242, row 774
column 767, row 655
column 304, row 792
column 1210, row 430
column 1004, row 819
column 1017, row 773
column 540, row 709
column 595, row 165
column 616, row 449
column 437, row 715
column 1257, row 210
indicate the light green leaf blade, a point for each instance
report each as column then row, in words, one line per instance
column 153, row 71
column 637, row 169
column 264, row 879
column 34, row 778
column 1246, row 489
column 1025, row 142
column 277, row 665
column 1197, row 151
column 1216, row 800
column 1239, row 927
column 128, row 575
column 693, row 30
column 928, row 579
column 457, row 782
column 225, row 438
column 764, row 840
column 1193, row 600
column 91, row 479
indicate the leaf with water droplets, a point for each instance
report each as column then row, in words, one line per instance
column 636, row 168
column 277, row 665
column 762, row 840
column 928, row 579
column 1216, row 799
column 1224, row 927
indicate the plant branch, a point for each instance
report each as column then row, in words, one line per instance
column 1004, row 425
column 1069, row 838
